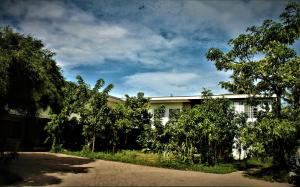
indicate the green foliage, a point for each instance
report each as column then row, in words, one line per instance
column 54, row 129
column 93, row 110
column 84, row 110
column 138, row 109
column 62, row 124
column 270, row 45
column 263, row 62
column 29, row 77
column 206, row 93
column 205, row 131
column 152, row 137
column 240, row 136
column 271, row 136
column 133, row 119
column 153, row 159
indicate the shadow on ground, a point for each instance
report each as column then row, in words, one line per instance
column 44, row 168
column 263, row 171
column 268, row 174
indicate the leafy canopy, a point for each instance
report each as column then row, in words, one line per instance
column 29, row 77
column 261, row 59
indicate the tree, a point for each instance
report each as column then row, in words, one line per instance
column 206, row 93
column 207, row 129
column 152, row 137
column 123, row 122
column 240, row 136
column 139, row 116
column 93, row 110
column 86, row 108
column 138, row 107
column 270, row 45
column 263, row 62
column 62, row 122
column 159, row 113
column 29, row 77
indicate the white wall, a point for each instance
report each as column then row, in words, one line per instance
column 241, row 106
column 168, row 106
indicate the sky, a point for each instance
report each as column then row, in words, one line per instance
column 154, row 46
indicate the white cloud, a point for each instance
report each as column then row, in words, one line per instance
column 233, row 16
column 176, row 83
column 168, row 37
column 78, row 37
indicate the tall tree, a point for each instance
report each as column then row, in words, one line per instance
column 261, row 57
column 29, row 77
column 59, row 122
column 93, row 109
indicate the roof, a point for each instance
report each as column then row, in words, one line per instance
column 114, row 99
column 196, row 97
column 188, row 98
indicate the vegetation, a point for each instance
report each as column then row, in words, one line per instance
column 263, row 62
column 27, row 68
column 270, row 44
column 169, row 161
column 204, row 133
column 29, row 80
column 154, row 159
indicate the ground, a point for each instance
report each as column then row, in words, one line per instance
column 65, row 170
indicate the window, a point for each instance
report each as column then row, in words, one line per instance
column 254, row 111
column 173, row 112
column 251, row 111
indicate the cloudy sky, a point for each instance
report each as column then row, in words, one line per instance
column 157, row 47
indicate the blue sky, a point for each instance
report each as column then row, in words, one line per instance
column 157, row 47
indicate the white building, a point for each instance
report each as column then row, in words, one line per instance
column 239, row 102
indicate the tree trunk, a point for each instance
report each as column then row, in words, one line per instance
column 296, row 97
column 279, row 160
column 216, row 160
column 125, row 140
column 277, row 108
column 93, row 143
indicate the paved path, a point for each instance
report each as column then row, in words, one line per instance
column 63, row 170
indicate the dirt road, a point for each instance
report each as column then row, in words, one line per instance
column 63, row 170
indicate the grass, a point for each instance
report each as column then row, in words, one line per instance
column 152, row 159
column 253, row 163
column 254, row 167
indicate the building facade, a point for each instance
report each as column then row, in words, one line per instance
column 239, row 103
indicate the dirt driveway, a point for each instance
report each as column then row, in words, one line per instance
column 63, row 170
